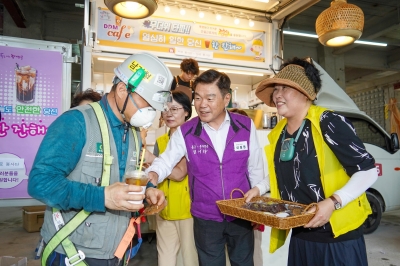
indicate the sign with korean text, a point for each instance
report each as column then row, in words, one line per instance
column 182, row 38
column 31, row 87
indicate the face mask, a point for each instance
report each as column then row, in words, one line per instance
column 143, row 117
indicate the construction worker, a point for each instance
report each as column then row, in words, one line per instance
column 81, row 161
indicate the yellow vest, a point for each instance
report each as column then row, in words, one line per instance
column 176, row 193
column 333, row 177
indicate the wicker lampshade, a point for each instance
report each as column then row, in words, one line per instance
column 132, row 9
column 340, row 24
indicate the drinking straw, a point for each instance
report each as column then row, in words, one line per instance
column 142, row 159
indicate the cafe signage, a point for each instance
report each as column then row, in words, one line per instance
column 182, row 38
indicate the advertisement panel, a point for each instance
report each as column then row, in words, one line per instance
column 31, row 82
column 175, row 38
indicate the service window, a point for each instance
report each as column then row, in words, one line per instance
column 368, row 133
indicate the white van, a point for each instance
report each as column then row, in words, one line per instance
column 384, row 194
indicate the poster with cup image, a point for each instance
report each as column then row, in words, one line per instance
column 31, row 89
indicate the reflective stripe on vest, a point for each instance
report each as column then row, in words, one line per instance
column 76, row 257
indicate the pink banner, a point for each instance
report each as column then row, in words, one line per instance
column 31, row 88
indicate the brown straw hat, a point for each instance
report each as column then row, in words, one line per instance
column 291, row 75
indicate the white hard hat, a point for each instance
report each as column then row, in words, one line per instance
column 156, row 82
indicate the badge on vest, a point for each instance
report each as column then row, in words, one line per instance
column 241, row 146
column 99, row 147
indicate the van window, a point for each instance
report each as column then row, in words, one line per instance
column 368, row 133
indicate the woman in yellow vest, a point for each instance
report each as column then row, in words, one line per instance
column 175, row 223
column 315, row 156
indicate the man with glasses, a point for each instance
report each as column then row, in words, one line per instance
column 223, row 154
column 81, row 162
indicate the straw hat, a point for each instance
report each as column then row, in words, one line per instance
column 291, row 75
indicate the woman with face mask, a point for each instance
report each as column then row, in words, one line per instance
column 175, row 223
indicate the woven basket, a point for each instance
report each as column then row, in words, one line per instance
column 234, row 207
column 340, row 16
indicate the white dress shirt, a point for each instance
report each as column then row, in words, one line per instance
column 176, row 149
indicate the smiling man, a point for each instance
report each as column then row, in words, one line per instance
column 222, row 153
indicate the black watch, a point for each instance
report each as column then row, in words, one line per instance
column 336, row 203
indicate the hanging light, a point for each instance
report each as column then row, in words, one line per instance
column 236, row 21
column 167, row 9
column 182, row 11
column 134, row 9
column 201, row 14
column 251, row 23
column 340, row 24
column 218, row 17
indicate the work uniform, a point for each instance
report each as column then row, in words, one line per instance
column 218, row 161
column 76, row 135
column 174, row 222
column 322, row 164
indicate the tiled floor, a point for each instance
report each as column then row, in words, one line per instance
column 16, row 242
column 147, row 255
column 383, row 246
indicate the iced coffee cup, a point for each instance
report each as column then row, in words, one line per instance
column 138, row 178
column 25, row 81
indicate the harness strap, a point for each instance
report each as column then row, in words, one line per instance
column 62, row 237
column 127, row 238
column 107, row 158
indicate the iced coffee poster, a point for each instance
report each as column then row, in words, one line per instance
column 31, row 99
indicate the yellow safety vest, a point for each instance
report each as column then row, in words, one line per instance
column 333, row 177
column 176, row 193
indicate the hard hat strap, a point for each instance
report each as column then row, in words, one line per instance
column 124, row 107
column 133, row 101
column 126, row 124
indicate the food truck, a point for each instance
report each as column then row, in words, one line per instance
column 247, row 54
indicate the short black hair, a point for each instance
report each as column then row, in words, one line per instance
column 213, row 76
column 88, row 94
column 189, row 65
column 311, row 71
column 238, row 111
column 181, row 98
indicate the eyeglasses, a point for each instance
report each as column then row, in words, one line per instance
column 173, row 110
